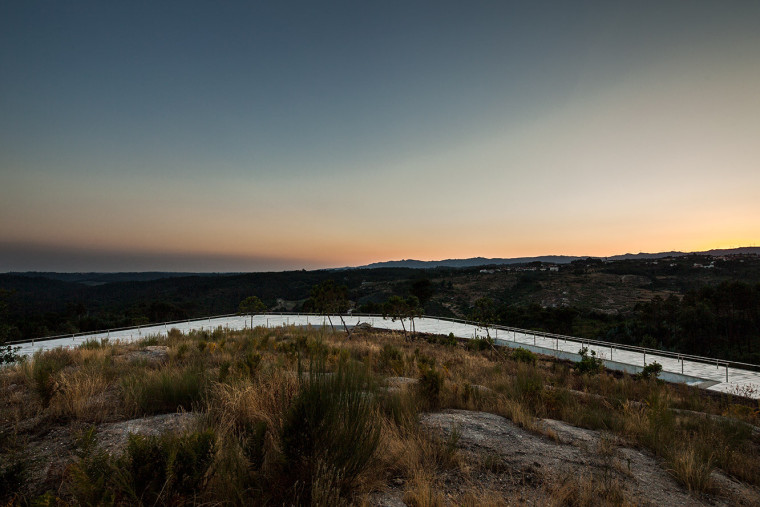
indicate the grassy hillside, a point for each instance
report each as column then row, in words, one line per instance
column 295, row 416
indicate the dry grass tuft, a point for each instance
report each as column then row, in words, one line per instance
column 422, row 492
column 82, row 395
column 691, row 469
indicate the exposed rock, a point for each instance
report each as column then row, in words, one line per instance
column 51, row 453
column 113, row 437
column 151, row 354
column 396, row 384
column 575, row 453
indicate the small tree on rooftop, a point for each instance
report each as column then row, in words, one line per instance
column 330, row 299
column 484, row 313
column 398, row 308
column 251, row 305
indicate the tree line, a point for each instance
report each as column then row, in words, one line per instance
column 720, row 321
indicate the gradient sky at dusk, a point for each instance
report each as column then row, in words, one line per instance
column 236, row 136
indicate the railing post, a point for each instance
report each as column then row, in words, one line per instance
column 645, row 358
column 726, row 372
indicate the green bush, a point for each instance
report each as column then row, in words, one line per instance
column 170, row 469
column 650, row 371
column 189, row 459
column 523, row 355
column 429, row 385
column 401, row 408
column 589, row 363
column 423, row 360
column 149, row 341
column 253, row 439
column 249, row 365
column 390, row 359
column 448, row 341
column 662, row 425
column 156, row 392
column 8, row 354
column 93, row 344
column 479, row 344
column 330, row 425
column 528, row 384
column 90, row 479
column 224, row 371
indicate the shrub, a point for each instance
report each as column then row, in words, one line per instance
column 660, row 430
column 430, row 384
column 391, row 359
column 523, row 355
column 93, row 344
column 253, row 439
column 691, row 469
column 155, row 392
column 189, row 458
column 250, row 363
column 329, row 428
column 479, row 344
column 149, row 341
column 400, row 407
column 589, row 363
column 169, row 469
column 8, row 354
column 90, row 478
column 650, row 371
column 224, row 371
column 44, row 368
column 161, row 470
column 423, row 360
column 528, row 384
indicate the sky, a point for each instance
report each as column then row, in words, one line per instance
column 258, row 136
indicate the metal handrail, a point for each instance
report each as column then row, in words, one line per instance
column 582, row 341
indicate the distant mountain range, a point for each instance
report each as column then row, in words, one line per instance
column 553, row 259
column 94, row 279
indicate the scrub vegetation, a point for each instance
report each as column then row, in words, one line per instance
column 697, row 304
column 294, row 416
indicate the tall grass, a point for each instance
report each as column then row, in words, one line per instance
column 329, row 436
column 43, row 371
column 330, row 431
column 167, row 390
column 164, row 470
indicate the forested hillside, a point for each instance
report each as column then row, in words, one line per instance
column 706, row 305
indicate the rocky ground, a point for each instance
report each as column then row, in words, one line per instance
column 566, row 461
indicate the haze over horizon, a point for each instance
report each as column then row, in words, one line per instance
column 237, row 136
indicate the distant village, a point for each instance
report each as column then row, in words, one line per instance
column 702, row 262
